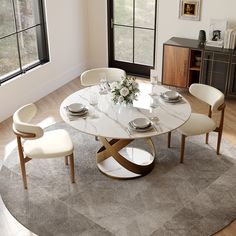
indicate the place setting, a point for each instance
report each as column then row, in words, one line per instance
column 76, row 110
column 140, row 125
column 171, row 97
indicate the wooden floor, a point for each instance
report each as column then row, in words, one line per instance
column 49, row 113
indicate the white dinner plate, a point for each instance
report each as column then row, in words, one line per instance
column 76, row 107
column 141, row 123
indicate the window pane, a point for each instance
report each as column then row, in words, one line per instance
column 123, row 43
column 145, row 13
column 144, row 47
column 24, row 14
column 9, row 60
column 123, row 12
column 7, row 25
column 28, row 46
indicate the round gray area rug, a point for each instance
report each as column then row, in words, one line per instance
column 194, row 198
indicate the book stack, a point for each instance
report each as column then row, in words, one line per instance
column 230, row 39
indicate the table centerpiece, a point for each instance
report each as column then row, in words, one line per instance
column 125, row 91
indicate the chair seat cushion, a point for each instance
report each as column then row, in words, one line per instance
column 55, row 143
column 197, row 124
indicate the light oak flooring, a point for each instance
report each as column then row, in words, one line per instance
column 48, row 113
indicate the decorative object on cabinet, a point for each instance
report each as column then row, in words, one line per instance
column 230, row 39
column 189, row 9
column 217, row 31
column 202, row 38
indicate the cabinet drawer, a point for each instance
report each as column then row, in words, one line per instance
column 222, row 57
column 209, row 55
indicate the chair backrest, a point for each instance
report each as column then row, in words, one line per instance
column 20, row 122
column 210, row 95
column 93, row 76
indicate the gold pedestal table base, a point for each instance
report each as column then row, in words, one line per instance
column 116, row 160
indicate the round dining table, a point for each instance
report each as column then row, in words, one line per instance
column 109, row 122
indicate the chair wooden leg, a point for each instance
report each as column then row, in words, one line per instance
column 66, row 161
column 218, row 143
column 182, row 148
column 72, row 171
column 207, row 137
column 23, row 172
column 169, row 139
column 22, row 162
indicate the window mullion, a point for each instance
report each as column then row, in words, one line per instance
column 17, row 36
column 133, row 29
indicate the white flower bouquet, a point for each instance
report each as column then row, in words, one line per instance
column 125, row 91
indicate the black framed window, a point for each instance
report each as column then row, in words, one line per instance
column 132, row 35
column 23, row 38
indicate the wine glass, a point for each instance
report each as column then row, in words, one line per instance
column 103, row 83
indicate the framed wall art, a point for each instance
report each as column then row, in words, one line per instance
column 189, row 9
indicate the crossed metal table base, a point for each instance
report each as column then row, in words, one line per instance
column 116, row 160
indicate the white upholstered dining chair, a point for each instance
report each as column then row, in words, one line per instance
column 93, row 76
column 38, row 144
column 201, row 123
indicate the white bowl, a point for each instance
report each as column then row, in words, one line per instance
column 171, row 94
column 76, row 107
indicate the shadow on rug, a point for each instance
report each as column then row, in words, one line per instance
column 194, row 198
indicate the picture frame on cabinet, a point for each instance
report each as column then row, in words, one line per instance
column 189, row 9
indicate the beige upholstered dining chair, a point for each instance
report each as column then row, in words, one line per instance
column 38, row 144
column 200, row 123
column 93, row 76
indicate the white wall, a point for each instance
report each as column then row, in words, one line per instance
column 68, row 42
column 97, row 20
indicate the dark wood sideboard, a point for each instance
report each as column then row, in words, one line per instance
column 185, row 62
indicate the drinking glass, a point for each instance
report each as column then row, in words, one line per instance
column 154, row 102
column 93, row 99
column 153, row 80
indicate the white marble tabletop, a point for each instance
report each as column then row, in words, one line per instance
column 111, row 121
